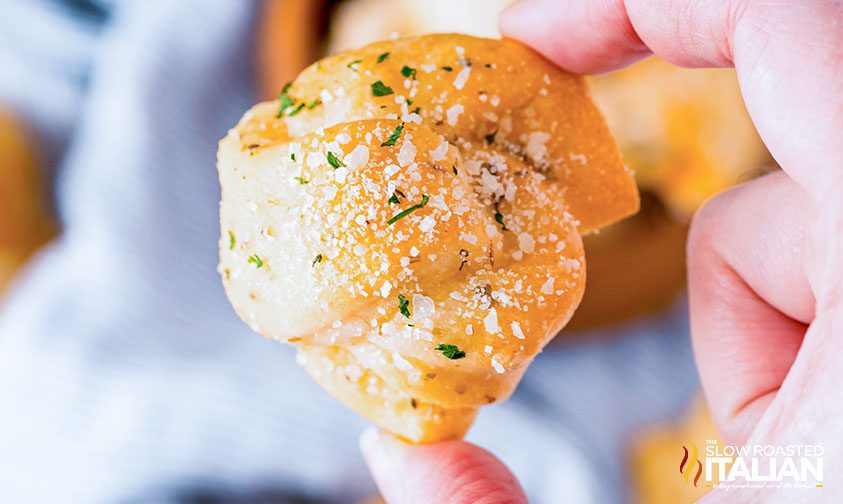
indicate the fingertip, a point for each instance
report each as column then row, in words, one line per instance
column 451, row 471
column 582, row 37
column 383, row 459
column 516, row 16
column 368, row 440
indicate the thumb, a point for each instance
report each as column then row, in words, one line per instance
column 453, row 472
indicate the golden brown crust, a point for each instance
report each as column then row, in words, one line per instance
column 370, row 233
column 538, row 111
column 362, row 390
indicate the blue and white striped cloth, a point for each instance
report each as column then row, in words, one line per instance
column 124, row 374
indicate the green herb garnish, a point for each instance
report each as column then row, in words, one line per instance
column 416, row 110
column 353, row 64
column 285, row 101
column 403, row 303
column 408, row 72
column 381, row 89
column 393, row 200
column 454, row 169
column 383, row 57
column 314, row 103
column 333, row 160
column 293, row 157
column 452, row 352
column 317, row 259
column 297, row 109
column 404, row 213
column 256, row 260
column 447, row 68
column 490, row 138
column 231, row 240
column 499, row 220
column 394, row 136
column 301, row 180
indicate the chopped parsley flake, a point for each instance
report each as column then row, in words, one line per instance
column 452, row 352
column 293, row 157
column 353, row 64
column 393, row 200
column 232, row 241
column 490, row 138
column 403, row 303
column 404, row 213
column 301, row 180
column 394, row 136
column 416, row 110
column 383, row 57
column 464, row 256
column 297, row 110
column 381, row 89
column 256, row 260
column 448, row 68
column 285, row 101
column 313, row 104
column 317, row 259
column 499, row 220
column 333, row 160
column 408, row 72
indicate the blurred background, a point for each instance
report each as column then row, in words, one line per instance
column 126, row 377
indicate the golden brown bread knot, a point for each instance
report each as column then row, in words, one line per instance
column 409, row 216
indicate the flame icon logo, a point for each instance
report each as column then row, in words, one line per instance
column 689, row 461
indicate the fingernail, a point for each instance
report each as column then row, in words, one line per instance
column 509, row 9
column 381, row 453
column 511, row 18
column 517, row 7
column 368, row 440
column 381, row 447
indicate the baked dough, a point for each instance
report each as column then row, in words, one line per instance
column 408, row 215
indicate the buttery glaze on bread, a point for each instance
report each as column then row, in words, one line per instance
column 409, row 216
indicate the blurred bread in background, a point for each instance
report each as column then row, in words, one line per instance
column 685, row 132
column 289, row 39
column 656, row 453
column 24, row 225
column 687, row 136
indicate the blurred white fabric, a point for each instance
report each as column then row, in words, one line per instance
column 124, row 374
